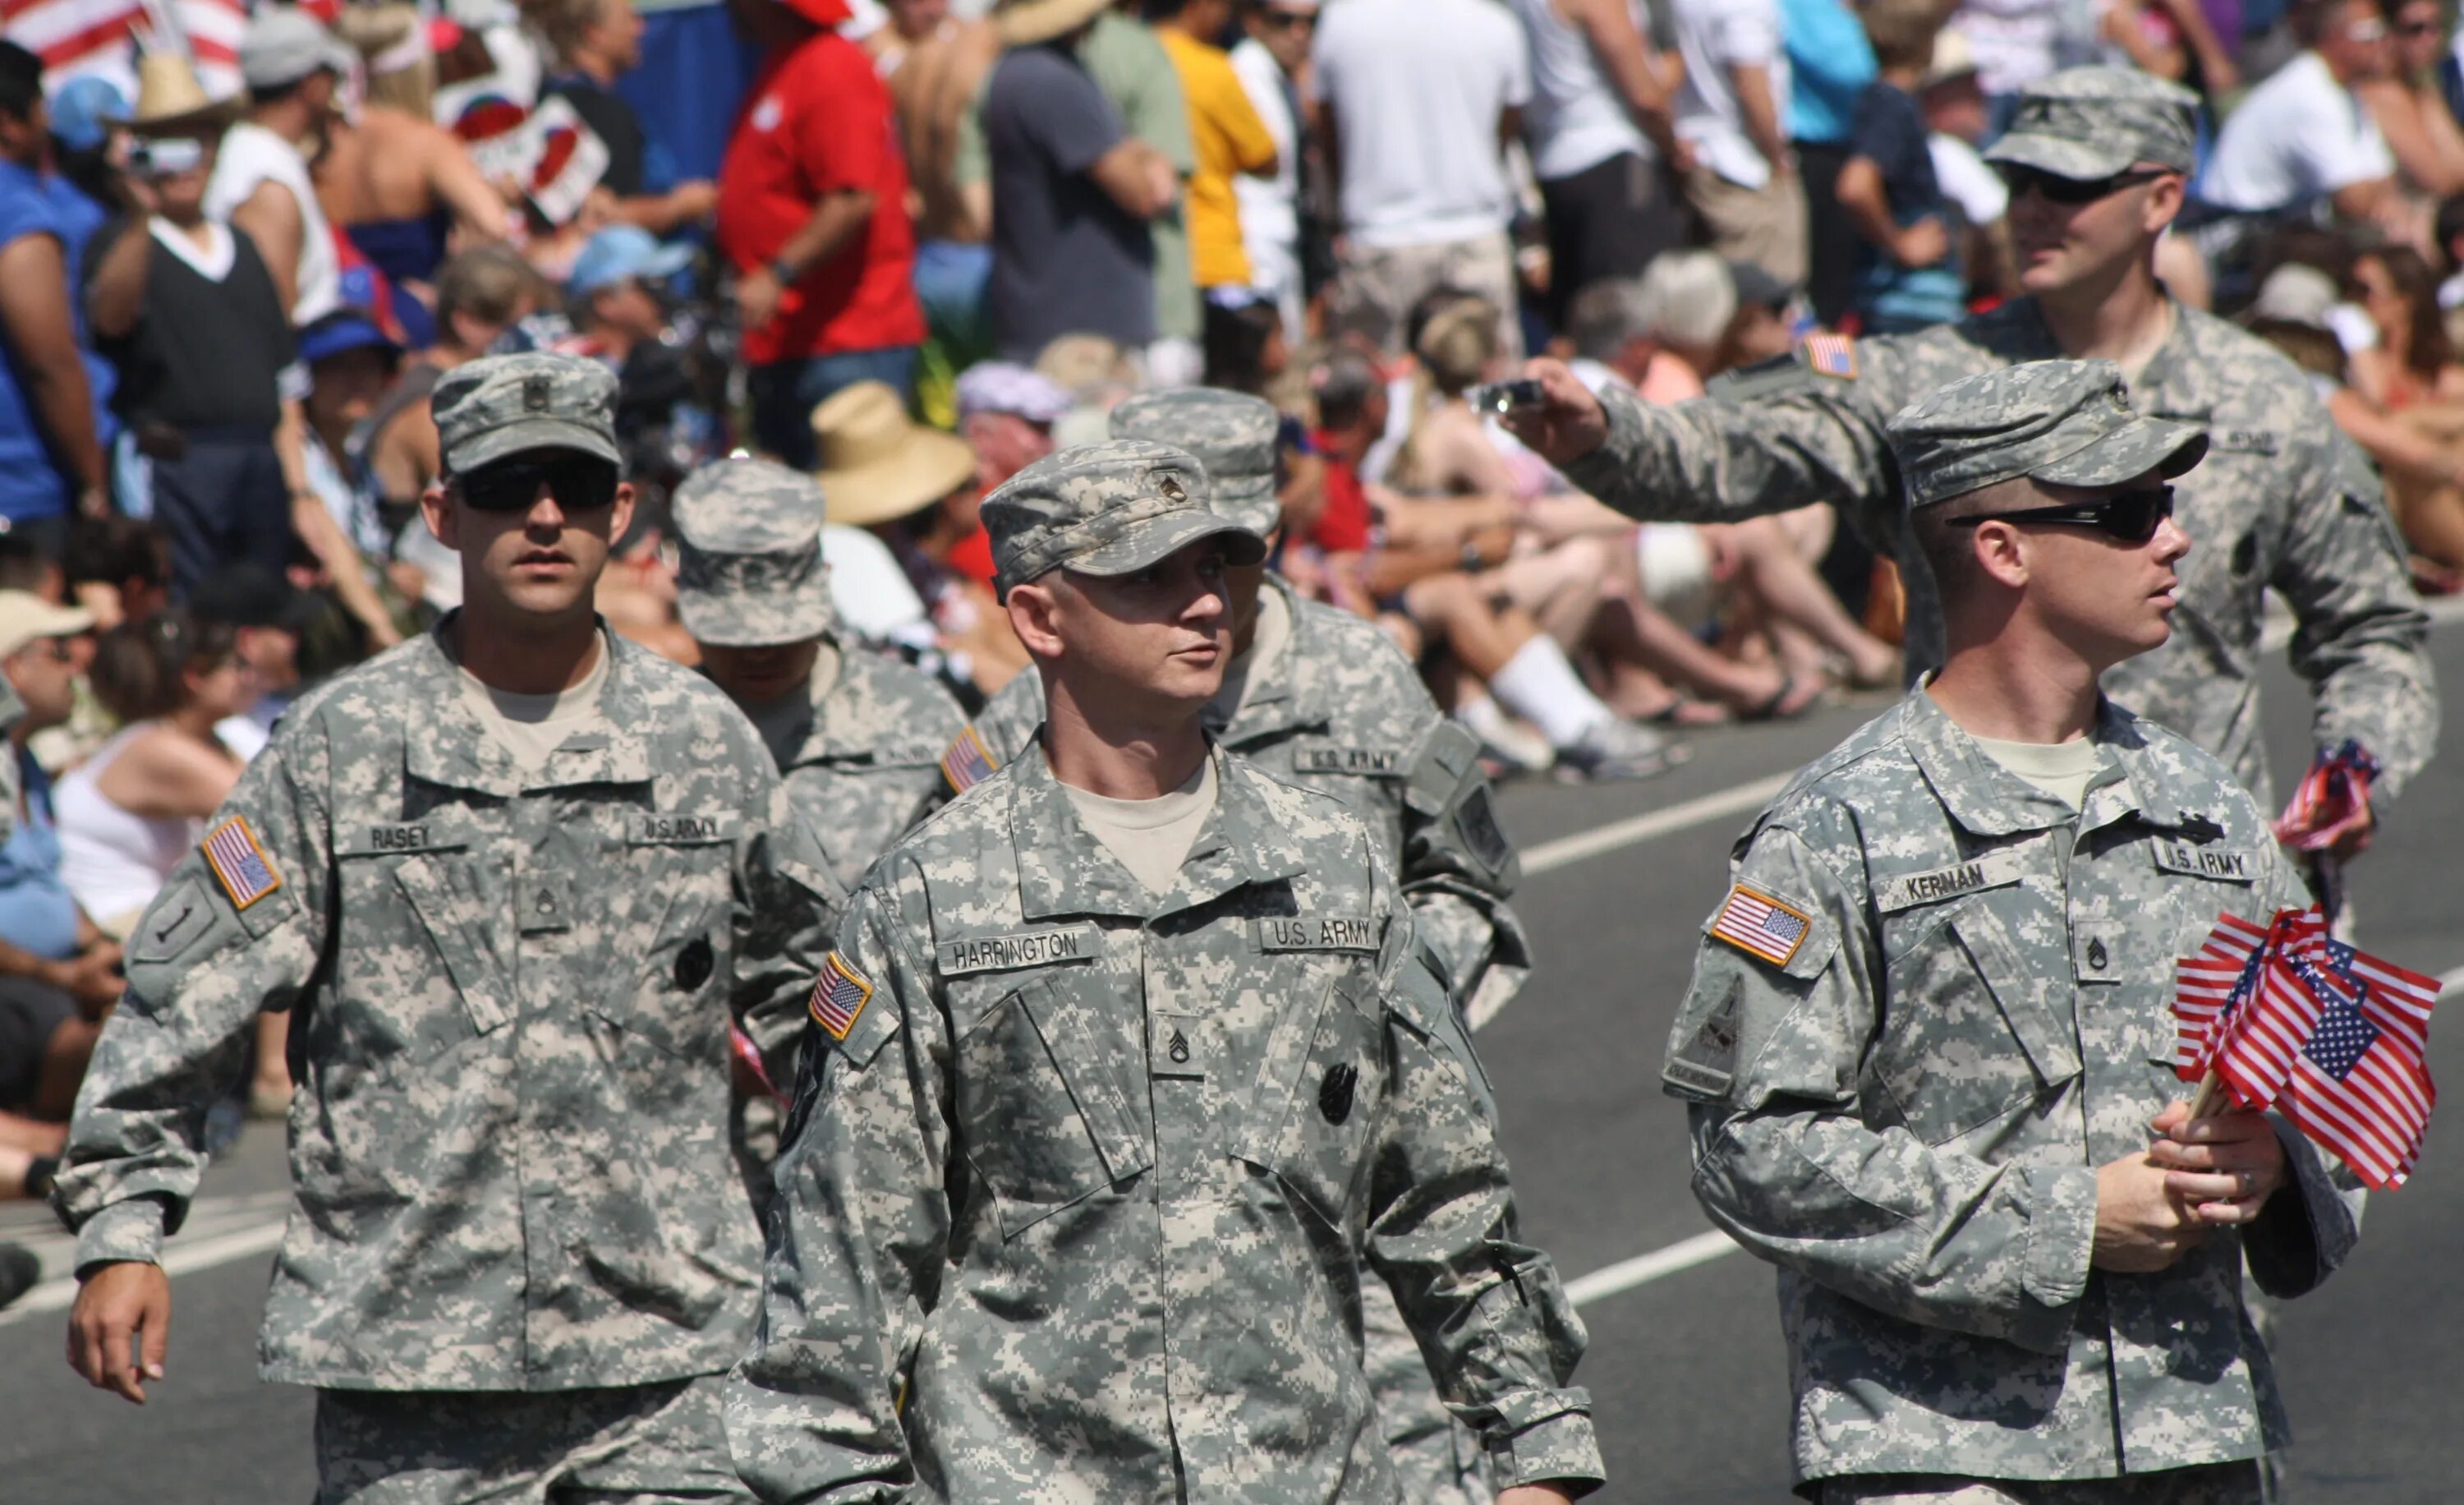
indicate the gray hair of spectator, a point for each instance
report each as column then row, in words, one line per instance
column 487, row 282
column 1688, row 298
column 1343, row 386
column 1605, row 317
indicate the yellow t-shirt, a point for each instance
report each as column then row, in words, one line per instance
column 1231, row 140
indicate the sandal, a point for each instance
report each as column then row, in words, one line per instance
column 1780, row 707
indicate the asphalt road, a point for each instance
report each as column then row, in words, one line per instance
column 1686, row 1368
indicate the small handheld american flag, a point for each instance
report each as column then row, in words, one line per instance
column 2332, row 1037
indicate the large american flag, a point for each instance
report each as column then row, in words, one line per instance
column 76, row 37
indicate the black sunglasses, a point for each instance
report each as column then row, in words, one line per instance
column 2132, row 517
column 579, row 483
column 2059, row 189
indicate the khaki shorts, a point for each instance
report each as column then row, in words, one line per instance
column 1765, row 225
column 2210, row 1484
column 643, row 1444
column 1674, row 565
column 1375, row 286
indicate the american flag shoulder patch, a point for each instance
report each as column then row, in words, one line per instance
column 839, row 996
column 1760, row 925
column 968, row 762
column 239, row 862
column 1831, row 355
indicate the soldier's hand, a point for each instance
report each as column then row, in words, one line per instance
column 1569, row 423
column 2224, row 1167
column 2141, row 1226
column 1534, row 1495
column 119, row 1302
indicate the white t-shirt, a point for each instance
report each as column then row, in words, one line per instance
column 1271, row 221
column 1151, row 837
column 2298, row 137
column 252, row 155
column 2013, row 42
column 1714, row 36
column 873, row 597
column 1965, row 179
column 1577, row 119
column 1417, row 87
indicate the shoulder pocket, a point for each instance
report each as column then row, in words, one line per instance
column 1043, row 1107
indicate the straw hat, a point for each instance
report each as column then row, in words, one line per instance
column 877, row 463
column 169, row 99
column 1023, row 23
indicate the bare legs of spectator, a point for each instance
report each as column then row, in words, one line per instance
column 29, row 1149
column 1776, row 589
column 269, row 1089
column 2430, row 516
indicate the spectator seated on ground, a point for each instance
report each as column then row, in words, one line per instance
column 58, row 973
column 2410, row 107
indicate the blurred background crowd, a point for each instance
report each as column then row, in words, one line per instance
column 909, row 246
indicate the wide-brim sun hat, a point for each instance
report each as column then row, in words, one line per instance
column 878, row 464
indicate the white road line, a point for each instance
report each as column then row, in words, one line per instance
column 1704, row 1248
column 1654, row 824
column 179, row 1258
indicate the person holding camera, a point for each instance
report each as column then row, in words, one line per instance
column 514, row 881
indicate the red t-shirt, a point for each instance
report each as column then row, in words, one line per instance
column 1343, row 522
column 818, row 120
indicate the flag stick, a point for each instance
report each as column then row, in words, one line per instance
column 2211, row 1098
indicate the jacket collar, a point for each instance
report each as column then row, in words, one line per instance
column 1064, row 869
column 1989, row 800
column 454, row 747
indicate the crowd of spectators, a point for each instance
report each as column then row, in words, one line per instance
column 942, row 238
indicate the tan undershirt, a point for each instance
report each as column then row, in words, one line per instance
column 2061, row 769
column 532, row 726
column 1273, row 635
column 1151, row 837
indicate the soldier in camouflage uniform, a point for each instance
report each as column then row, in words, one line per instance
column 1321, row 698
column 1104, row 1112
column 2097, row 158
column 513, row 880
column 1928, row 1040
column 857, row 736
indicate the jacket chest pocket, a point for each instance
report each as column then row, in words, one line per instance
column 1971, row 1031
column 669, row 943
column 1320, row 1098
column 418, row 969
column 1042, row 1108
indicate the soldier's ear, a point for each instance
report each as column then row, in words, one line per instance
column 439, row 512
column 1034, row 615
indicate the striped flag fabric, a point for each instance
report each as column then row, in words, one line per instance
column 239, row 864
column 839, row 995
column 1760, row 924
column 967, row 761
column 77, row 37
column 1831, row 355
column 2357, row 1085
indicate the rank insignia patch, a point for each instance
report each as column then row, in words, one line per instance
column 1761, row 925
column 247, row 874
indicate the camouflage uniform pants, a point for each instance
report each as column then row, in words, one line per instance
column 2212, row 1484
column 648, row 1444
column 1438, row 1458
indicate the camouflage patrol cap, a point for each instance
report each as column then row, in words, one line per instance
column 749, row 568
column 1232, row 435
column 1107, row 509
column 2067, row 422
column 2093, row 122
column 503, row 405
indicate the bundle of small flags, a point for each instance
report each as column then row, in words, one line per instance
column 2289, row 1018
column 2332, row 798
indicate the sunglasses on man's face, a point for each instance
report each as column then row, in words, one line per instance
column 1288, row 21
column 2059, row 189
column 2131, row 517
column 579, row 483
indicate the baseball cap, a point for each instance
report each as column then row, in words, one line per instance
column 620, row 252
column 284, row 44
column 503, row 405
column 341, row 332
column 2066, row 422
column 83, row 111
column 749, row 555
column 25, row 616
column 2092, row 122
column 1107, row 509
column 1231, row 433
